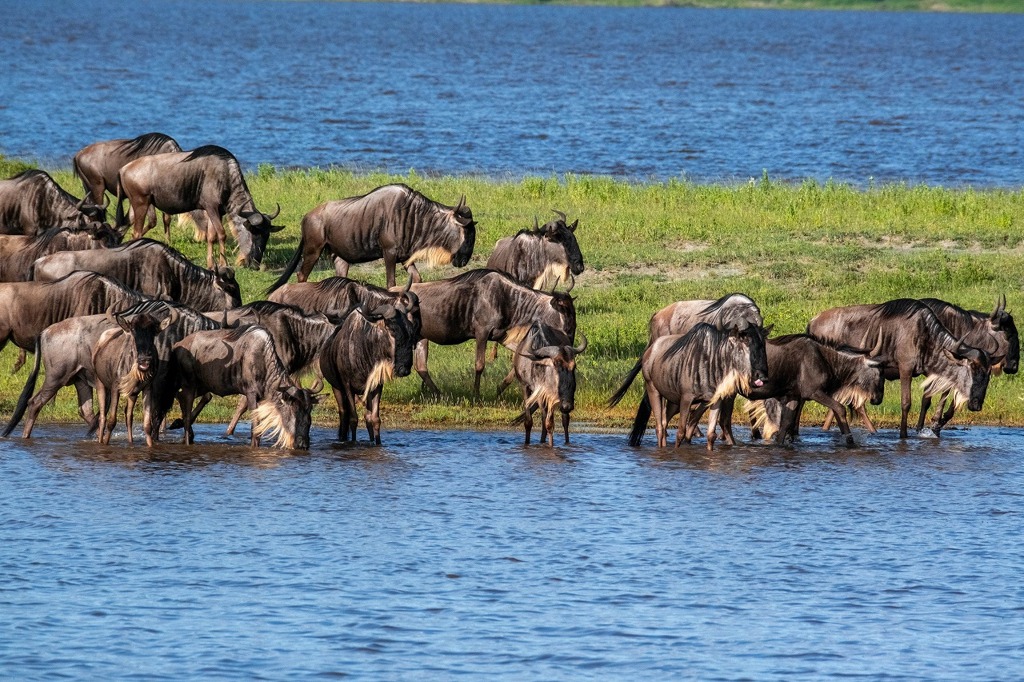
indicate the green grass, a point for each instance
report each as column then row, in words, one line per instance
column 795, row 248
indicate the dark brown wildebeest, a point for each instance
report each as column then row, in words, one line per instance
column 336, row 297
column 97, row 164
column 18, row 252
column 996, row 334
column 209, row 179
column 32, row 202
column 243, row 361
column 542, row 257
column 153, row 269
column 705, row 366
column 545, row 365
column 801, row 368
column 366, row 351
column 913, row 342
column 484, row 305
column 393, row 222
column 124, row 361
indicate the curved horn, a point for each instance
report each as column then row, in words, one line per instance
column 461, row 204
column 276, row 213
column 408, row 286
column 572, row 283
column 583, row 345
column 560, row 214
column 536, row 223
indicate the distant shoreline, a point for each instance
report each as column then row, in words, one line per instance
column 945, row 6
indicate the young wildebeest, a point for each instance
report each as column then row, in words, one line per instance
column 209, row 179
column 542, row 257
column 705, row 366
column 366, row 351
column 914, row 342
column 485, row 305
column 124, row 362
column 393, row 222
column 32, row 201
column 153, row 269
column 545, row 366
column 244, row 361
column 18, row 252
column 801, row 368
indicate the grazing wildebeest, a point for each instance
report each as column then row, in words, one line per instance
column 913, row 342
column 542, row 257
column 545, row 365
column 995, row 333
column 243, row 361
column 18, row 252
column 124, row 361
column 393, row 222
column 336, row 297
column 153, row 269
column 801, row 368
column 209, row 179
column 32, row 202
column 97, row 164
column 484, row 305
column 367, row 350
column 705, row 366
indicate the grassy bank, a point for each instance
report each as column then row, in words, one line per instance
column 796, row 249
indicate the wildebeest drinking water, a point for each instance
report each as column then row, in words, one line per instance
column 32, row 202
column 18, row 252
column 208, row 178
column 542, row 257
column 393, row 222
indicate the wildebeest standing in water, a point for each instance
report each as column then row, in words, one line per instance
column 485, row 305
column 208, row 178
column 153, row 269
column 545, row 365
column 542, row 257
column 18, row 252
column 393, row 222
column 32, row 201
column 705, row 366
column 243, row 361
column 914, row 342
column 367, row 350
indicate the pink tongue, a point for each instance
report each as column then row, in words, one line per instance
column 758, row 383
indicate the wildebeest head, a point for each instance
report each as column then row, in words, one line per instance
column 254, row 235
column 1002, row 322
column 90, row 212
column 287, row 415
column 462, row 221
column 564, row 234
column 105, row 236
column 396, row 319
column 562, row 361
column 966, row 375
column 409, row 307
column 750, row 339
column 224, row 281
column 143, row 329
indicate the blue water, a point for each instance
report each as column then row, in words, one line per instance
column 502, row 90
column 464, row 554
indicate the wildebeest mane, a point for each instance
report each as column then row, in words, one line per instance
column 210, row 150
column 336, row 285
column 149, row 143
column 270, row 307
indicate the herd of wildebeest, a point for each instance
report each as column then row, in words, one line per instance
column 139, row 319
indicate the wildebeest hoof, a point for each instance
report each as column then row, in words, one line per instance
column 927, row 432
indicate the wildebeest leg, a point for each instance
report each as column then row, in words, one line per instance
column 214, row 230
column 108, row 404
column 684, row 422
column 339, row 400
column 828, row 422
column 129, row 415
column 20, row 362
column 726, row 420
column 351, row 416
column 865, row 419
column 507, row 381
column 413, row 273
column 140, row 208
column 787, row 414
column 185, row 399
column 549, row 424
column 528, row 422
column 420, row 361
column 904, row 402
column 926, row 403
column 941, row 420
column 340, row 266
column 167, row 226
column 390, row 263
column 481, row 363
column 657, row 412
column 713, row 415
column 254, row 440
column 372, row 416
column 543, row 424
column 243, row 404
column 311, row 249
column 565, row 426
column 839, row 410
column 693, row 420
column 101, row 403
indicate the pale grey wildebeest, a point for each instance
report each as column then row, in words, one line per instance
column 153, row 269
column 704, row 367
column 32, row 202
column 393, row 222
column 540, row 258
column 545, row 365
column 913, row 342
column 244, row 361
column 18, row 252
column 208, row 178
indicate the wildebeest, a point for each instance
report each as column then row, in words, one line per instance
column 124, row 361
column 336, row 297
column 542, row 257
column 18, row 252
column 801, row 368
column 243, row 361
column 208, row 178
column 485, row 305
column 913, row 342
column 153, row 269
column 367, row 350
column 393, row 222
column 705, row 366
column 32, row 201
column 545, row 365
column 97, row 164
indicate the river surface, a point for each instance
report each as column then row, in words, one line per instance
column 466, row 554
column 710, row 95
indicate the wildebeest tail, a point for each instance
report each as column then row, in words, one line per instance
column 614, row 400
column 26, row 393
column 643, row 413
column 290, row 268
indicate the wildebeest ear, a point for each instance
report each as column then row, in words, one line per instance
column 768, row 330
column 123, row 324
column 575, row 224
column 226, row 273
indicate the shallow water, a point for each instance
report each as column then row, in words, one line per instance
column 464, row 553
column 635, row 93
